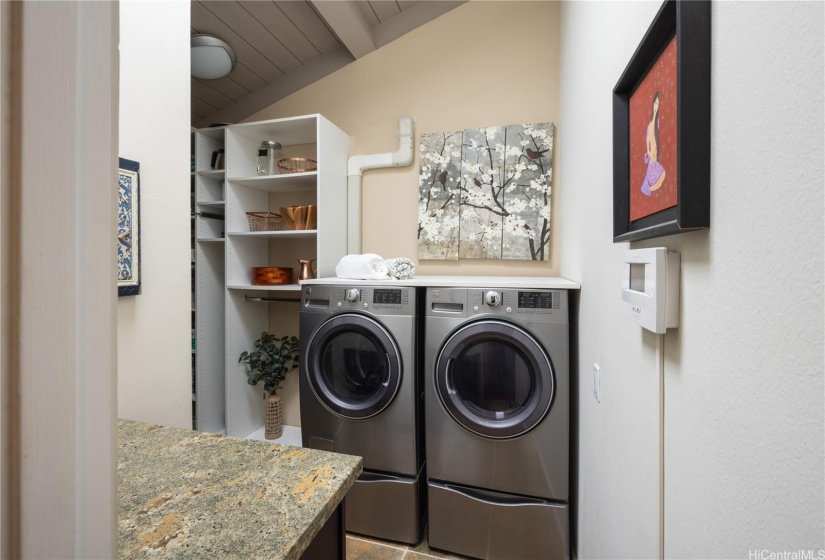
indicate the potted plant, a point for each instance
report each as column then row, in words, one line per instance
column 270, row 362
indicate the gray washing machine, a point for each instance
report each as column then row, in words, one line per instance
column 497, row 421
column 361, row 394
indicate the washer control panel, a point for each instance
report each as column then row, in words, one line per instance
column 370, row 299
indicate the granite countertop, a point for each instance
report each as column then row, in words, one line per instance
column 185, row 494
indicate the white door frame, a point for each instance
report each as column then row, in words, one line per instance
column 58, row 297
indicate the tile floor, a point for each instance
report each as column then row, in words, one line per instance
column 360, row 547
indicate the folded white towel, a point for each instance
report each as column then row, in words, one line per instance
column 362, row 267
column 401, row 268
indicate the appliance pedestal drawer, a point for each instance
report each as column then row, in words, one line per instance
column 496, row 526
column 387, row 506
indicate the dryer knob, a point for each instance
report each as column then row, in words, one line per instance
column 352, row 294
column 492, row 298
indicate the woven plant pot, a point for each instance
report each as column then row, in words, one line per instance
column 274, row 427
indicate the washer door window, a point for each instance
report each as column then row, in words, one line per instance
column 494, row 379
column 354, row 367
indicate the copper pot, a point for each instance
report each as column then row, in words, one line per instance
column 271, row 276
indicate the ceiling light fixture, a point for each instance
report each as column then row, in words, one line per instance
column 211, row 57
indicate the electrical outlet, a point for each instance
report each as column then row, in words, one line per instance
column 597, row 391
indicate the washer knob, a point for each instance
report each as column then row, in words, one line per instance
column 352, row 294
column 492, row 298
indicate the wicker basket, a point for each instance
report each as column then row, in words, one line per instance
column 264, row 221
column 297, row 165
column 273, row 417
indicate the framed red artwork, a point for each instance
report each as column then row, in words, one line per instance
column 661, row 128
column 653, row 127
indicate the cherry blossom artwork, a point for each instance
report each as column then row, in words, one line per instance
column 485, row 193
column 438, row 188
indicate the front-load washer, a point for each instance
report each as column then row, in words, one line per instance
column 361, row 394
column 497, row 421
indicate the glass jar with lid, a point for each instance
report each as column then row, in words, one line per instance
column 269, row 153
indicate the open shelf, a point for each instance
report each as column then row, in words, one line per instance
column 288, row 182
column 278, row 288
column 247, row 313
column 291, row 436
column 209, row 281
column 215, row 132
column 288, row 233
column 294, row 130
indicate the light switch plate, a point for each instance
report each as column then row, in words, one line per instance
column 597, row 392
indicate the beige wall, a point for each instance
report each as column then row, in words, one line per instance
column 154, row 328
column 618, row 498
column 482, row 64
column 745, row 376
column 742, row 407
column 453, row 73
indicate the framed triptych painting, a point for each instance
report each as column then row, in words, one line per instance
column 485, row 193
column 661, row 128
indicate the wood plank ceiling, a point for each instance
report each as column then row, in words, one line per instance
column 284, row 45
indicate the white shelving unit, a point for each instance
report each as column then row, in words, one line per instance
column 209, row 394
column 308, row 136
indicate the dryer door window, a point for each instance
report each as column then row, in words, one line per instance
column 353, row 366
column 494, row 379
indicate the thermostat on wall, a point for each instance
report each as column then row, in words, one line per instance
column 650, row 288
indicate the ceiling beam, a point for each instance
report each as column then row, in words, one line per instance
column 411, row 18
column 348, row 23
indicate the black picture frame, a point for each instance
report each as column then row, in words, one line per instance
column 128, row 234
column 689, row 20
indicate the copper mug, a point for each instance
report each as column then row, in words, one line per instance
column 306, row 272
column 300, row 217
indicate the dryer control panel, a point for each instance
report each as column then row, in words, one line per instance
column 523, row 304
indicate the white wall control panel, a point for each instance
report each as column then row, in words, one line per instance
column 650, row 288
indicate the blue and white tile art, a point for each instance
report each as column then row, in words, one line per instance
column 485, row 193
column 128, row 228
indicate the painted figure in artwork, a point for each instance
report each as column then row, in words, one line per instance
column 655, row 175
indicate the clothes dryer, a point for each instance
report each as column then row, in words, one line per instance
column 497, row 421
column 361, row 394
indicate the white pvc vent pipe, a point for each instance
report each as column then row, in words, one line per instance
column 355, row 170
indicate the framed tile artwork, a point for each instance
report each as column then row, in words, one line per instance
column 128, row 228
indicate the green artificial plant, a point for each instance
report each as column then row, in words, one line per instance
column 271, row 360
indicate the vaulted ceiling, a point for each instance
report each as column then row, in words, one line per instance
column 285, row 45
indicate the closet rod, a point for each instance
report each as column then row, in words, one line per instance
column 209, row 215
column 273, row 299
